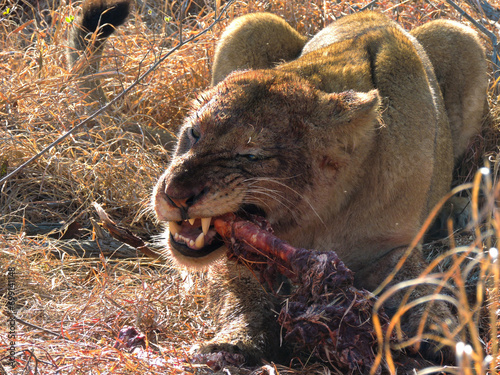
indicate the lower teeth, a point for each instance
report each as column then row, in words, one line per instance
column 198, row 244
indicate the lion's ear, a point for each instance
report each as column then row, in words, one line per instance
column 347, row 122
column 351, row 107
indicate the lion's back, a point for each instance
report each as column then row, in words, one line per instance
column 412, row 155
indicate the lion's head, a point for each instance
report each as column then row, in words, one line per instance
column 261, row 142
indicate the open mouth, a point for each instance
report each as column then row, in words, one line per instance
column 194, row 237
column 197, row 238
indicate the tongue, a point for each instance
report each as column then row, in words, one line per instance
column 190, row 232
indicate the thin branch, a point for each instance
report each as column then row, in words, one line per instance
column 483, row 29
column 34, row 326
column 486, row 8
column 153, row 67
column 369, row 5
column 123, row 234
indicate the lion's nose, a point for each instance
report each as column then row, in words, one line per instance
column 180, row 203
column 184, row 202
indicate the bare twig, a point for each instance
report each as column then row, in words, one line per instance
column 123, row 234
column 486, row 8
column 153, row 67
column 31, row 325
column 369, row 5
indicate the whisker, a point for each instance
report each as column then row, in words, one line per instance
column 271, row 194
column 281, row 201
column 255, row 200
column 254, row 180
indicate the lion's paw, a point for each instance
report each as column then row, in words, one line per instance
column 218, row 356
column 437, row 353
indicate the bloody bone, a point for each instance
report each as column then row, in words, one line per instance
column 326, row 315
column 254, row 242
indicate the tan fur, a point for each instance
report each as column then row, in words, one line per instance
column 84, row 62
column 255, row 41
column 347, row 147
column 460, row 66
column 97, row 20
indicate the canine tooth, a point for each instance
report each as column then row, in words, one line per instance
column 173, row 227
column 176, row 236
column 205, row 224
column 191, row 221
column 200, row 241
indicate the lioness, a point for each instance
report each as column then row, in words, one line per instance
column 342, row 142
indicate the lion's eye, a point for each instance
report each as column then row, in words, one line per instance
column 250, row 157
column 195, row 134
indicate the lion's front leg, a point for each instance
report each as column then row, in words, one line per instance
column 245, row 315
column 439, row 319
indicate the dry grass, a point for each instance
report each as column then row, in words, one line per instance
column 86, row 302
